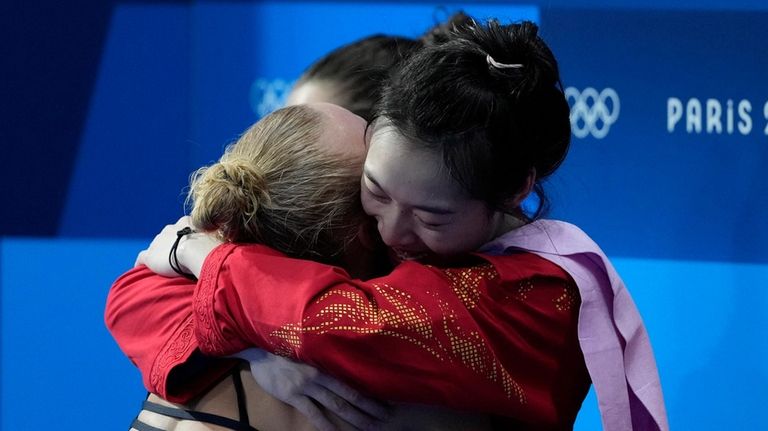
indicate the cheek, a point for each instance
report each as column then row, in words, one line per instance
column 370, row 205
column 462, row 237
column 448, row 243
column 375, row 209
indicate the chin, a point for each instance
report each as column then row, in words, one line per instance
column 425, row 257
column 438, row 260
column 405, row 256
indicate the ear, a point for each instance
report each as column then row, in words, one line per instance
column 527, row 188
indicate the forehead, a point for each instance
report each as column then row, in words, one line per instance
column 343, row 131
column 311, row 91
column 406, row 172
column 387, row 145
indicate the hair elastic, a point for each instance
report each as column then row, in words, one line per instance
column 497, row 65
column 173, row 260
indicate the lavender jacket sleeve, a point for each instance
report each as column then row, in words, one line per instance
column 615, row 343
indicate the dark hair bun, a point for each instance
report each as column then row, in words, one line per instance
column 516, row 44
column 442, row 31
column 521, row 65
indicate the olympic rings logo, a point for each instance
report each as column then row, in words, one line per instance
column 592, row 113
column 267, row 95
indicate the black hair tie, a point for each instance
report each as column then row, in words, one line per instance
column 173, row 260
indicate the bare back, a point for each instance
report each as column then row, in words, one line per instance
column 267, row 413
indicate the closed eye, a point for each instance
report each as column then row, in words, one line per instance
column 376, row 196
column 431, row 226
column 371, row 182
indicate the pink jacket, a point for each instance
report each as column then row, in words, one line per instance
column 613, row 338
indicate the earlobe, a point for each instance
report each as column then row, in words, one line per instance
column 530, row 182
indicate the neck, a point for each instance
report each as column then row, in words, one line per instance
column 508, row 222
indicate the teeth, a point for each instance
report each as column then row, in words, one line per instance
column 403, row 255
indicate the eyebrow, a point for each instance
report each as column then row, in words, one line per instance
column 425, row 208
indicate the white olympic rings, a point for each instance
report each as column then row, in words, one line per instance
column 592, row 112
column 268, row 95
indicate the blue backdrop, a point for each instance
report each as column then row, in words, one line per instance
column 106, row 108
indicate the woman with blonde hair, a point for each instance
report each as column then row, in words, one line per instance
column 291, row 182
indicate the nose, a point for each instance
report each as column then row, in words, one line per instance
column 396, row 229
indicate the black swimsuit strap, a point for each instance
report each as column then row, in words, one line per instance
column 197, row 416
column 141, row 426
column 240, row 393
column 174, row 412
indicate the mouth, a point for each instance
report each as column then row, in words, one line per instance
column 404, row 255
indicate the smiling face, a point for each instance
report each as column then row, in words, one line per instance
column 419, row 208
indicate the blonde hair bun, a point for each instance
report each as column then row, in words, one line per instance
column 281, row 186
column 226, row 196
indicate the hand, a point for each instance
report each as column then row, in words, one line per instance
column 191, row 251
column 155, row 257
column 301, row 385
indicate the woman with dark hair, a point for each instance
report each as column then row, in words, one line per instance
column 491, row 309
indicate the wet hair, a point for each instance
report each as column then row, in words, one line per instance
column 493, row 124
column 441, row 31
column 357, row 71
column 279, row 186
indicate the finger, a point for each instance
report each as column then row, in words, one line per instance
column 184, row 221
column 370, row 406
column 140, row 258
column 312, row 413
column 340, row 407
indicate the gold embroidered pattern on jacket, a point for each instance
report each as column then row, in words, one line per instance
column 466, row 282
column 474, row 353
column 567, row 299
column 352, row 311
column 438, row 332
column 523, row 289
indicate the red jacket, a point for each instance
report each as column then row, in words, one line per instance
column 497, row 336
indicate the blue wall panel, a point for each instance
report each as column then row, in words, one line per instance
column 666, row 181
column 133, row 159
column 60, row 367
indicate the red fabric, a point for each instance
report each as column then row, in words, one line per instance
column 150, row 317
column 498, row 337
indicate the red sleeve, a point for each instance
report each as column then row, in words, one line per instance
column 150, row 317
column 493, row 337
